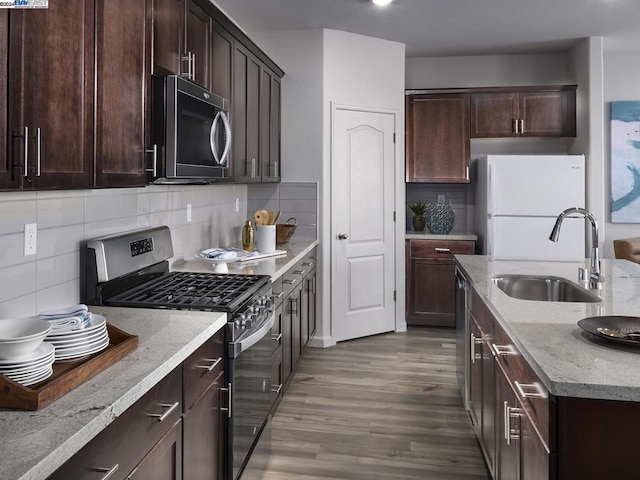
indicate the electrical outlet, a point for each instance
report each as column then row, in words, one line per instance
column 237, row 205
column 440, row 198
column 30, row 238
column 188, row 212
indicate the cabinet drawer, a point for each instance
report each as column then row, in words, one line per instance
column 202, row 367
column 131, row 436
column 444, row 249
column 482, row 315
column 290, row 280
column 277, row 292
column 531, row 392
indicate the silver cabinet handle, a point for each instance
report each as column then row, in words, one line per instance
column 162, row 416
column 189, row 60
column 38, row 150
column 515, row 125
column 276, row 337
column 504, row 349
column 521, row 127
column 511, row 413
column 108, row 472
column 278, row 295
column 342, row 236
column 307, row 264
column 213, row 365
column 467, row 174
column 253, row 168
column 292, row 301
column 530, row 390
column 276, row 388
column 154, row 150
column 26, row 151
column 230, row 397
column 193, row 67
column 288, row 282
column 299, row 272
column 314, row 285
column 442, row 250
column 474, row 341
column 275, row 169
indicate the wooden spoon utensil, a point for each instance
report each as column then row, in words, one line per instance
column 261, row 217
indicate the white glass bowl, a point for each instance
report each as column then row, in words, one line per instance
column 21, row 336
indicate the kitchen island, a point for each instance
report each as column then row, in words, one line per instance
column 34, row 444
column 548, row 400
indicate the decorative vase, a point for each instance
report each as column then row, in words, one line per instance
column 440, row 218
column 418, row 223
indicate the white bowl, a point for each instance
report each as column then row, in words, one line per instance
column 21, row 336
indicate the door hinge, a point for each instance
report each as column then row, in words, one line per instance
column 394, row 216
column 394, row 296
column 394, row 137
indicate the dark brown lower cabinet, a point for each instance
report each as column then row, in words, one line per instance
column 164, row 461
column 203, row 435
column 431, row 280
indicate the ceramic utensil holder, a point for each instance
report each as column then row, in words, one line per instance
column 266, row 238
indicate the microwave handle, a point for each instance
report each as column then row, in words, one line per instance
column 224, row 160
column 212, row 138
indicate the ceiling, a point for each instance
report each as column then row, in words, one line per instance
column 454, row 27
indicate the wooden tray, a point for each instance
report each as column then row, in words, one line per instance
column 66, row 376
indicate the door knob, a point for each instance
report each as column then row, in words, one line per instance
column 342, row 236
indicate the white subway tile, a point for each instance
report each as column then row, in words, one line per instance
column 60, row 240
column 55, row 270
column 58, row 296
column 61, row 211
column 15, row 212
column 20, row 307
column 17, row 281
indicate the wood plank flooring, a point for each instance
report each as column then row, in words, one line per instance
column 381, row 407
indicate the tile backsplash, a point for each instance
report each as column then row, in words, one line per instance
column 296, row 200
column 461, row 198
column 51, row 278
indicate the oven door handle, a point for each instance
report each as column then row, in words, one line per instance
column 236, row 348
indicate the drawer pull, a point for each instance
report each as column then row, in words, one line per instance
column 530, row 390
column 504, row 349
column 276, row 388
column 299, row 272
column 213, row 365
column 276, row 337
column 442, row 250
column 289, row 282
column 278, row 295
column 307, row 264
column 511, row 433
column 230, row 399
column 108, row 472
column 162, row 416
column 474, row 341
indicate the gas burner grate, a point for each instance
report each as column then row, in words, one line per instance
column 194, row 291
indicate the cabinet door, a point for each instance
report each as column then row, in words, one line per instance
column 120, row 98
column 8, row 178
column 269, row 126
column 535, row 461
column 246, row 116
column 432, row 293
column 52, row 97
column 222, row 61
column 295, row 306
column 508, row 431
column 547, row 114
column 287, row 339
column 313, row 309
column 437, row 138
column 475, row 376
column 164, row 461
column 203, row 435
column 198, row 37
column 168, row 36
column 494, row 114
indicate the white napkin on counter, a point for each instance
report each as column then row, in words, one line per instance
column 75, row 317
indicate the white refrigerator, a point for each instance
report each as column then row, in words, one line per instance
column 519, row 197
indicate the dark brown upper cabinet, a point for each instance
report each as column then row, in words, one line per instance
column 121, row 33
column 269, row 126
column 198, row 45
column 526, row 112
column 437, row 137
column 221, row 61
column 50, row 97
column 7, row 180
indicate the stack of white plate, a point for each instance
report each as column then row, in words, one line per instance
column 79, row 343
column 31, row 368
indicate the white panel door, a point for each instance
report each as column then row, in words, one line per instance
column 362, row 227
column 540, row 185
column 528, row 238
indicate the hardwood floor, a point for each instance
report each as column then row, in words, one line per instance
column 381, row 407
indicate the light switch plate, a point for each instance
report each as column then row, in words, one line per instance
column 188, row 212
column 30, row 238
column 440, row 198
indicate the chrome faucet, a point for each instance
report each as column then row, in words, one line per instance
column 596, row 279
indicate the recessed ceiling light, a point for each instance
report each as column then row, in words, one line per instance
column 381, row 3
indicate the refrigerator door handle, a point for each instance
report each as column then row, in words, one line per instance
column 491, row 193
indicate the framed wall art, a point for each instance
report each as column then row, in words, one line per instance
column 625, row 162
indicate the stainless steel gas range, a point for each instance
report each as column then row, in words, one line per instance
column 131, row 269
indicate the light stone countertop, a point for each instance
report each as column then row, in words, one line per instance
column 33, row 444
column 569, row 361
column 273, row 266
column 411, row 235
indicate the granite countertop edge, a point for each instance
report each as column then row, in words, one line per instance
column 569, row 361
column 411, row 235
column 48, row 437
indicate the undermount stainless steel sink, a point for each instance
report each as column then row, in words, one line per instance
column 543, row 288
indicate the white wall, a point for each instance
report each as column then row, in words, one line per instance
column 621, row 82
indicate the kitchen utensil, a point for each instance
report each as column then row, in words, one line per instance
column 284, row 231
column 261, row 217
column 266, row 238
column 275, row 220
column 617, row 333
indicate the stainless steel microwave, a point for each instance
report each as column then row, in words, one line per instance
column 191, row 133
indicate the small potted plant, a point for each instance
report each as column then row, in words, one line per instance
column 419, row 210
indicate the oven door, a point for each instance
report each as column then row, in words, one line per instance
column 250, row 370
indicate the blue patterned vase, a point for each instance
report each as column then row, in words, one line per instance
column 440, row 218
